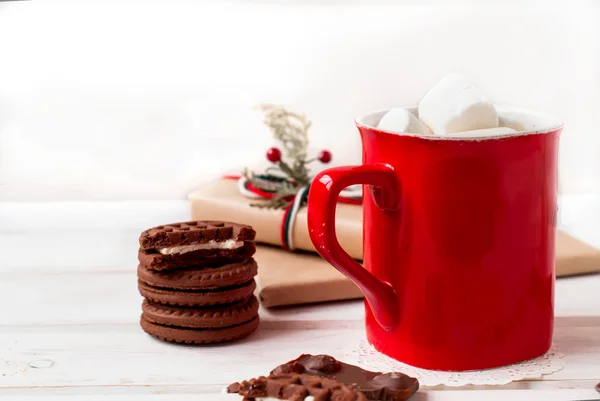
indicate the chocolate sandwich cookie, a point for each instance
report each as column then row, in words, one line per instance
column 204, row 297
column 197, row 243
column 198, row 336
column 198, row 278
column 201, row 318
column 296, row 387
column 200, row 325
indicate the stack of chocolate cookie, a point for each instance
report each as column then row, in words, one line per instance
column 197, row 279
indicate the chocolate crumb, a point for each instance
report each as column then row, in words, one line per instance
column 289, row 368
column 233, row 387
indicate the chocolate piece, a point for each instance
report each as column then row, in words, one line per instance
column 154, row 260
column 322, row 363
column 597, row 387
column 296, row 387
column 223, row 295
column 194, row 232
column 198, row 278
column 198, row 336
column 201, row 318
column 375, row 385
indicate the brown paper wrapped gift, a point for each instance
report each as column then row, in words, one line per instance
column 222, row 200
column 287, row 278
column 574, row 257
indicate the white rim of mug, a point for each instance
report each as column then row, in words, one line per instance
column 501, row 108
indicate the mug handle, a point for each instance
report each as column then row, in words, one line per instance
column 322, row 201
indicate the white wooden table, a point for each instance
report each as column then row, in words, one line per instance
column 70, row 309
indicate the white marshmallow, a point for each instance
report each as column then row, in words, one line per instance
column 509, row 121
column 498, row 131
column 401, row 121
column 519, row 122
column 456, row 105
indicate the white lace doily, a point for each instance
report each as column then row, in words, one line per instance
column 365, row 356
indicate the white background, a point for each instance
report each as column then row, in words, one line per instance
column 132, row 100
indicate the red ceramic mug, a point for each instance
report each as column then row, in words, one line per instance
column 458, row 238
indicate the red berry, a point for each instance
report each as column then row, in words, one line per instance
column 324, row 156
column 274, row 155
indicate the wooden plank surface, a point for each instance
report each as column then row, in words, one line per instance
column 71, row 308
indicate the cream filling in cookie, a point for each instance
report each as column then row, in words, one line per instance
column 227, row 244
